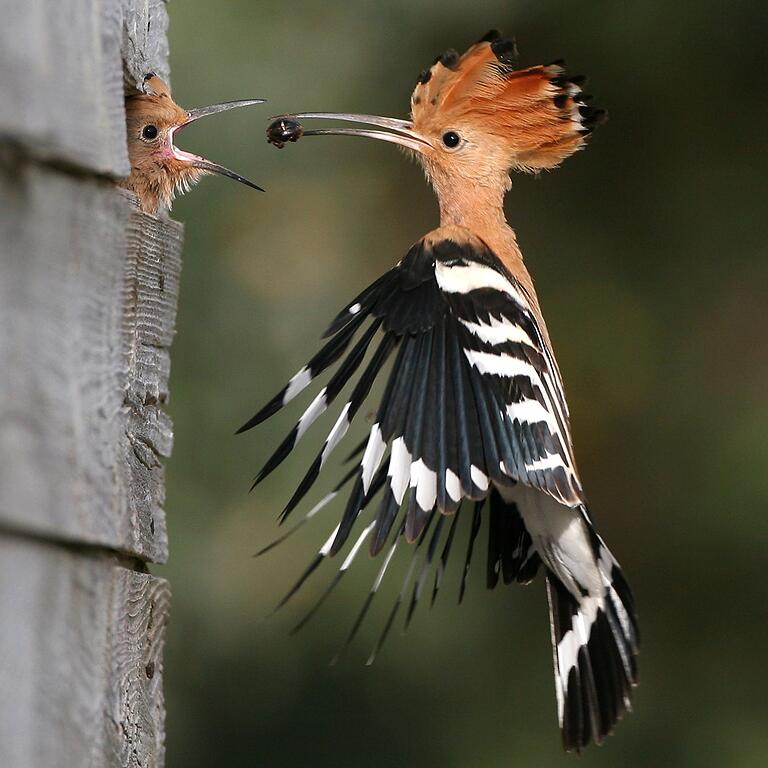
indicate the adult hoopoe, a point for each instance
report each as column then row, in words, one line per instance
column 474, row 409
column 159, row 169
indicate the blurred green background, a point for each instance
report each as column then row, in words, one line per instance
column 649, row 253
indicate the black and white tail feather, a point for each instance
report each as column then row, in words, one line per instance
column 473, row 411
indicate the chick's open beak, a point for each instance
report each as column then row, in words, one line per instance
column 395, row 131
column 200, row 162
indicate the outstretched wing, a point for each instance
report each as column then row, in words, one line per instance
column 474, row 397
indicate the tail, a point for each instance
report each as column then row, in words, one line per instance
column 595, row 643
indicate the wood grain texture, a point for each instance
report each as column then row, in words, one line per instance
column 80, row 659
column 150, row 297
column 135, row 734
column 88, row 293
column 64, row 65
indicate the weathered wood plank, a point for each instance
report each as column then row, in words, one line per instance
column 134, row 729
column 151, row 292
column 64, row 68
column 88, row 290
column 80, row 659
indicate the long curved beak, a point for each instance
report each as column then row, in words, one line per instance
column 395, row 131
column 200, row 162
column 214, row 109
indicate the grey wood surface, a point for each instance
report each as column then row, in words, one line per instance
column 80, row 659
column 88, row 292
column 64, row 64
column 88, row 289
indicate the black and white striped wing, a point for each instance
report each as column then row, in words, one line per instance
column 473, row 398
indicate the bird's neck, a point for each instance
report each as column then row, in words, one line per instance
column 480, row 209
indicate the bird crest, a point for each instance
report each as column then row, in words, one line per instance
column 538, row 115
column 154, row 103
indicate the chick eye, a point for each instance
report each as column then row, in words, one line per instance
column 451, row 139
column 149, row 132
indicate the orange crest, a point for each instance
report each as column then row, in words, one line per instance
column 537, row 116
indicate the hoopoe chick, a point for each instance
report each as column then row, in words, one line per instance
column 159, row 169
column 473, row 413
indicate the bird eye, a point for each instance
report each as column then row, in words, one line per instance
column 451, row 139
column 149, row 132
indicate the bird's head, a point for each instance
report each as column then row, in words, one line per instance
column 483, row 117
column 159, row 169
column 476, row 116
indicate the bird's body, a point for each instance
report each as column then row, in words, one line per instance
column 474, row 413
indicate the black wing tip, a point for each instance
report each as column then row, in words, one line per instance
column 276, row 542
column 355, row 503
column 259, row 418
column 332, row 330
column 339, row 322
column 263, row 475
column 264, row 550
column 385, row 519
column 250, row 424
column 308, row 571
column 268, row 410
column 377, row 542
